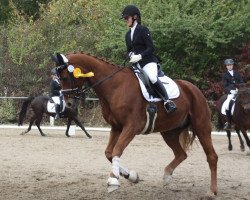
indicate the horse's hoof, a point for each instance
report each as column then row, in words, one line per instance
column 133, row 177
column 230, row 148
column 209, row 196
column 67, row 135
column 22, row 133
column 167, row 179
column 43, row 135
column 242, row 148
column 248, row 153
column 113, row 184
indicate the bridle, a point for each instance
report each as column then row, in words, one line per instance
column 80, row 92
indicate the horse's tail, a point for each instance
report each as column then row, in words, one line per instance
column 186, row 139
column 23, row 111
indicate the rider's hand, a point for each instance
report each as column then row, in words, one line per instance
column 135, row 58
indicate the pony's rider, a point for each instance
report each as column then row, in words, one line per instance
column 55, row 90
column 140, row 50
column 231, row 80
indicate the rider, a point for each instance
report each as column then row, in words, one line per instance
column 140, row 50
column 231, row 80
column 55, row 88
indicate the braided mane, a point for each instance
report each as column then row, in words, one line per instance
column 89, row 54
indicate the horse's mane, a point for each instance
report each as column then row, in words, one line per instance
column 89, row 54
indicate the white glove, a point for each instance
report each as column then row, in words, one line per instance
column 135, row 58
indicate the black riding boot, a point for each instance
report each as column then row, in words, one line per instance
column 57, row 109
column 227, row 125
column 168, row 104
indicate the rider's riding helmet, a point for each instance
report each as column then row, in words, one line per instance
column 229, row 61
column 131, row 10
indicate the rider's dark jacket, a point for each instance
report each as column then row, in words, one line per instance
column 231, row 82
column 55, row 88
column 141, row 44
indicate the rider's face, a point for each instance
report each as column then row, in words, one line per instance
column 229, row 67
column 129, row 21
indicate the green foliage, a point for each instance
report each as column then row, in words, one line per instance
column 190, row 36
column 7, row 111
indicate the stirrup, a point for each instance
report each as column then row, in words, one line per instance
column 170, row 106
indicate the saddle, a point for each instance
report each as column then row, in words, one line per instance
column 146, row 86
column 231, row 106
column 51, row 108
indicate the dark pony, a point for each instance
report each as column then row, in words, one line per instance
column 125, row 109
column 241, row 115
column 39, row 107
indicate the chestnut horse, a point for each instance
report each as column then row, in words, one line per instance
column 241, row 115
column 124, row 108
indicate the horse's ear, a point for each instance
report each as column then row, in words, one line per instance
column 54, row 58
column 60, row 59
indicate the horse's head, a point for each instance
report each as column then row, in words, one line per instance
column 72, row 78
column 244, row 97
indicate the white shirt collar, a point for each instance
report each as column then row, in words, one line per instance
column 231, row 72
column 133, row 29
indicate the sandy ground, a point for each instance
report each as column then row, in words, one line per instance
column 55, row 167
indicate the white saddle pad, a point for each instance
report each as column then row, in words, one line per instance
column 170, row 86
column 51, row 106
column 224, row 106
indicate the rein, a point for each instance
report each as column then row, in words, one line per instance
column 87, row 88
column 100, row 81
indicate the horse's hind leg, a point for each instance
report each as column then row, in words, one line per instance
column 38, row 122
column 172, row 140
column 203, row 132
column 78, row 123
column 68, row 125
column 242, row 146
column 230, row 146
column 32, row 119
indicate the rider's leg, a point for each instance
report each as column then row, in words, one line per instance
column 227, row 125
column 151, row 71
column 229, row 120
column 57, row 109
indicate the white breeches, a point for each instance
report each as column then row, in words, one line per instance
column 229, row 98
column 152, row 71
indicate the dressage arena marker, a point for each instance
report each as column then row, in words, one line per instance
column 87, row 128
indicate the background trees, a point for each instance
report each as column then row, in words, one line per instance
column 192, row 37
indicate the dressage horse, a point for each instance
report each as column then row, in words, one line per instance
column 39, row 107
column 240, row 117
column 124, row 108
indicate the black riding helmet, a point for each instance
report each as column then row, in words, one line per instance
column 131, row 10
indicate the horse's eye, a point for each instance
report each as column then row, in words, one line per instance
column 63, row 78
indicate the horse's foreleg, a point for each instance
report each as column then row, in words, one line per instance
column 121, row 143
column 230, row 146
column 113, row 137
column 172, row 140
column 38, row 122
column 242, row 146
